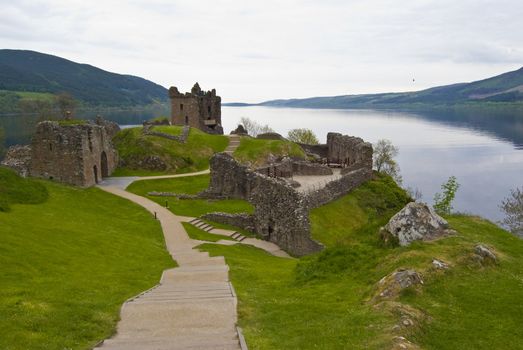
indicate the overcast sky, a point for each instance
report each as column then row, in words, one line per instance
column 257, row 50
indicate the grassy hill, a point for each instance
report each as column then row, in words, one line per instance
column 256, row 152
column 328, row 300
column 69, row 258
column 24, row 71
column 154, row 155
column 505, row 88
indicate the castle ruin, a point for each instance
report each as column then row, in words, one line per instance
column 77, row 154
column 283, row 193
column 198, row 109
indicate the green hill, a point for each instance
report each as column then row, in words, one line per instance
column 143, row 155
column 507, row 87
column 29, row 71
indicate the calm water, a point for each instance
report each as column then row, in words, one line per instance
column 485, row 152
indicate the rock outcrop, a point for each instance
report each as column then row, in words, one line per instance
column 416, row 221
column 391, row 285
column 484, row 254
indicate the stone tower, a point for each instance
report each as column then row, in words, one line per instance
column 198, row 109
column 79, row 155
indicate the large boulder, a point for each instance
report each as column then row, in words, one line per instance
column 416, row 221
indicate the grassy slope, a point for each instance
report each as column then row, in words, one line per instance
column 323, row 301
column 193, row 155
column 68, row 264
column 188, row 185
column 201, row 235
column 17, row 190
column 255, row 151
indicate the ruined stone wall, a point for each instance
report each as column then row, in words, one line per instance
column 348, row 150
column 241, row 220
column 196, row 109
column 287, row 168
column 338, row 188
column 282, row 169
column 79, row 154
column 307, row 168
column 280, row 214
column 182, row 138
column 18, row 158
column 281, row 217
column 322, row 151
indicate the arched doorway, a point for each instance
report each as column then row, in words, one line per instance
column 95, row 170
column 103, row 164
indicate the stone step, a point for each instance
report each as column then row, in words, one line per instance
column 194, row 220
column 196, row 287
column 225, row 342
column 236, row 235
column 182, row 299
column 188, row 254
column 219, row 261
column 200, row 224
column 167, row 293
column 241, row 238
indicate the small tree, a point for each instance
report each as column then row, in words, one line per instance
column 253, row 128
column 66, row 103
column 303, row 136
column 384, row 162
column 513, row 209
column 443, row 201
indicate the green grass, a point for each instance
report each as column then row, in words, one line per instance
column 17, row 190
column 201, row 235
column 64, row 122
column 188, row 207
column 134, row 148
column 68, row 264
column 256, row 151
column 276, row 312
column 324, row 301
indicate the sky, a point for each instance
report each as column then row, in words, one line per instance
column 252, row 51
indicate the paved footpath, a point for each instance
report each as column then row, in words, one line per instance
column 193, row 306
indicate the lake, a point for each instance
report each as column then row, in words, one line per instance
column 483, row 150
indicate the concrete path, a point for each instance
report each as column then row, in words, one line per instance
column 193, row 307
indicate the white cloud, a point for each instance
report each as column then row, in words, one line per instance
column 251, row 51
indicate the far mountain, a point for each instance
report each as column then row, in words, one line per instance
column 24, row 72
column 507, row 87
